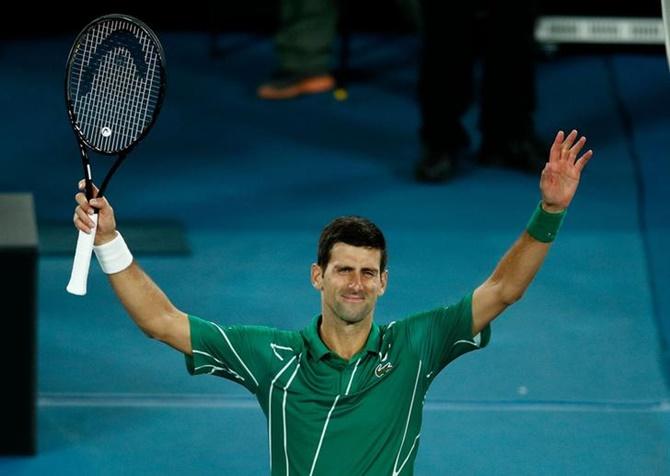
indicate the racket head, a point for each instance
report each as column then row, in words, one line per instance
column 114, row 83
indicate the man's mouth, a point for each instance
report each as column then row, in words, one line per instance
column 353, row 297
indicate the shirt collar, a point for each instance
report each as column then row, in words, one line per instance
column 318, row 349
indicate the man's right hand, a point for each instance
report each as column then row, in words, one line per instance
column 82, row 216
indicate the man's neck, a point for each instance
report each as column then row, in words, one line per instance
column 346, row 340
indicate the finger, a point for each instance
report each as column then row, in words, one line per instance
column 79, row 225
column 84, row 216
column 83, row 203
column 575, row 149
column 82, row 221
column 567, row 143
column 80, row 198
column 99, row 203
column 583, row 160
column 555, row 151
column 82, row 186
column 90, row 206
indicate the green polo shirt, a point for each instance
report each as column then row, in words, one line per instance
column 329, row 416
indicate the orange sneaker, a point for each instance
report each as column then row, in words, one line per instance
column 291, row 86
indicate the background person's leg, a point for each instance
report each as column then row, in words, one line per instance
column 445, row 85
column 508, row 88
column 304, row 46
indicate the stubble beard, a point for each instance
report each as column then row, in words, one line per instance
column 351, row 314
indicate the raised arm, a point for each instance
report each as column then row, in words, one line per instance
column 521, row 262
column 147, row 305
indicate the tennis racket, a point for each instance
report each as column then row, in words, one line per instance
column 114, row 89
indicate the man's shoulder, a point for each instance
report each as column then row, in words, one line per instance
column 272, row 334
column 251, row 332
column 424, row 320
column 286, row 337
column 402, row 324
column 462, row 306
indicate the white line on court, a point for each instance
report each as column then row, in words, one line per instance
column 196, row 400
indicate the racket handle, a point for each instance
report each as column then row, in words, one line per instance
column 82, row 260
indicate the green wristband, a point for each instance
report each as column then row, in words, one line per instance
column 544, row 226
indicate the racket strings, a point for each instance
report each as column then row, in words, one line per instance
column 120, row 88
column 104, row 110
column 118, row 85
column 115, row 103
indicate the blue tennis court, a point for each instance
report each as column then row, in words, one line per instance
column 574, row 381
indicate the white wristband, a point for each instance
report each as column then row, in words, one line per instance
column 114, row 256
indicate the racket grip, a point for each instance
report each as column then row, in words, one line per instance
column 82, row 260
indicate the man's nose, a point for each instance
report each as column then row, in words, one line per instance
column 355, row 282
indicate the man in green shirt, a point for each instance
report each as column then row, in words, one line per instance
column 344, row 395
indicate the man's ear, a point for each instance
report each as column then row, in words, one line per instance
column 384, row 278
column 316, row 276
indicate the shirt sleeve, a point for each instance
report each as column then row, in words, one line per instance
column 231, row 352
column 443, row 334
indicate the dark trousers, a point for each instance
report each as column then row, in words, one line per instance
column 304, row 42
column 446, row 79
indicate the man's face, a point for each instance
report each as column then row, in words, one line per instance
column 351, row 282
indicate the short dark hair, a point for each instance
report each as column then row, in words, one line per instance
column 352, row 230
